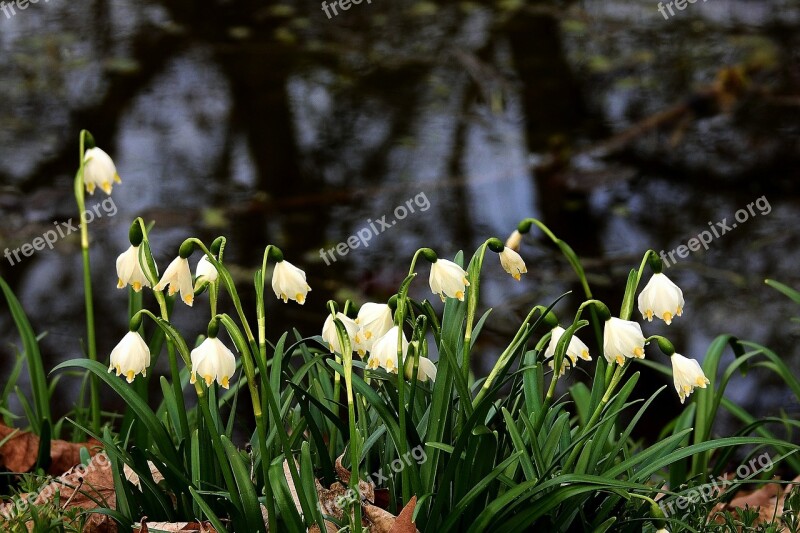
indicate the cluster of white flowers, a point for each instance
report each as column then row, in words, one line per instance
column 623, row 339
column 373, row 332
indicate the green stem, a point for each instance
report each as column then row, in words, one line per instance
column 91, row 342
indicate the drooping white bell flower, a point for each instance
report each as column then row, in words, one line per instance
column 622, row 339
column 661, row 298
column 289, row 282
column 448, row 279
column 99, row 171
column 330, row 335
column 129, row 270
column 384, row 351
column 512, row 263
column 178, row 276
column 575, row 350
column 204, row 273
column 425, row 371
column 211, row 361
column 130, row 357
column 373, row 321
column 687, row 374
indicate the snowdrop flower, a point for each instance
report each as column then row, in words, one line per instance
column 687, row 374
column 425, row 371
column 512, row 263
column 129, row 270
column 330, row 335
column 373, row 321
column 621, row 339
column 179, row 277
column 99, row 171
column 289, row 282
column 576, row 348
column 384, row 351
column 130, row 357
column 204, row 273
column 213, row 361
column 661, row 298
column 448, row 279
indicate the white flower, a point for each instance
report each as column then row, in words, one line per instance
column 99, row 171
column 130, row 357
column 330, row 335
column 289, row 283
column 425, row 371
column 514, row 241
column 212, row 360
column 129, row 270
column 621, row 339
column 661, row 298
column 448, row 279
column 178, row 276
column 576, row 348
column 512, row 263
column 663, row 530
column 204, row 273
column 374, row 320
column 687, row 374
column 384, row 351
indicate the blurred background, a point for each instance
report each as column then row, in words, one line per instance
column 269, row 122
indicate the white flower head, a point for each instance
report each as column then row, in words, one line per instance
column 99, row 171
column 687, row 374
column 373, row 321
column 130, row 357
column 211, row 361
column 384, row 351
column 622, row 339
column 661, row 298
column 512, row 263
column 204, row 273
column 448, row 279
column 514, row 241
column 575, row 350
column 129, row 270
column 330, row 335
column 425, row 371
column 178, row 276
column 289, row 282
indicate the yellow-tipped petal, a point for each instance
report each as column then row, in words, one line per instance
column 299, row 298
column 120, row 283
column 189, row 299
column 90, row 188
column 193, row 378
column 638, row 352
column 225, row 382
column 368, row 335
column 667, row 318
column 117, row 179
column 209, row 380
column 106, row 186
column 129, row 376
column 460, row 295
column 620, row 360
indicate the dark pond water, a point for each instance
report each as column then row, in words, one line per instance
column 270, row 123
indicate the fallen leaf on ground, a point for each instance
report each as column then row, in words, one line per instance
column 81, row 487
column 170, row 527
column 20, row 452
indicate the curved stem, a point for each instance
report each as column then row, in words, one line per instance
column 91, row 342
